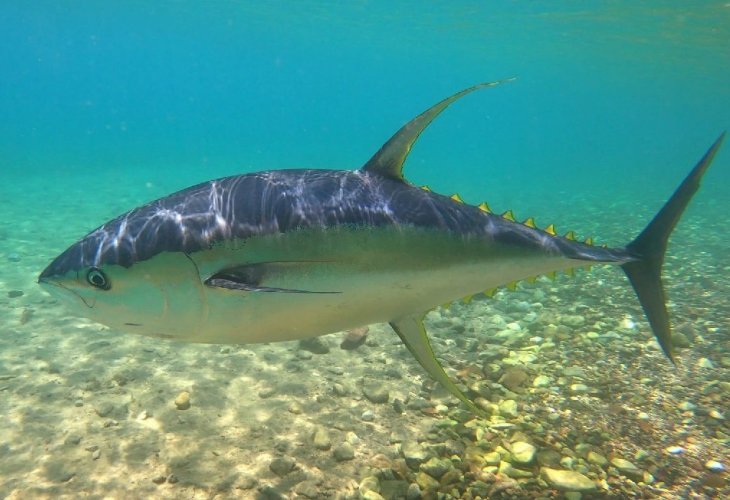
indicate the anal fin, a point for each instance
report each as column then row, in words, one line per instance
column 413, row 334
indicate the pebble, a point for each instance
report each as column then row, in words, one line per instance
column 266, row 392
column 15, row 293
column 376, row 392
column 509, row 471
column 579, row 388
column 321, row 439
column 574, row 371
column 523, row 453
column 414, row 454
column 354, row 338
column 705, row 363
column 567, row 480
column 281, row 466
column 687, row 406
column 182, row 401
column 627, row 468
column 413, row 492
column 96, row 454
column 542, row 381
column 716, row 415
column 436, row 467
column 427, row 484
column 159, row 479
column 596, row 459
column 316, row 345
column 674, row 450
column 343, row 452
column 367, row 416
column 714, row 466
column 508, row 408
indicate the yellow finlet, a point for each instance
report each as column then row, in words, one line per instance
column 467, row 299
column 551, row 275
column 508, row 215
column 512, row 286
column 532, row 279
column 551, row 230
column 484, row 207
column 530, row 222
column 588, row 241
column 426, row 188
column 570, row 271
column 456, row 198
column 570, row 235
column 491, row 292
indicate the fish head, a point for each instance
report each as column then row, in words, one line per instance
column 157, row 297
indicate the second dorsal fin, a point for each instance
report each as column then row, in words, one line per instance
column 389, row 159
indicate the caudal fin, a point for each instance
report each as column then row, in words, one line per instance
column 645, row 273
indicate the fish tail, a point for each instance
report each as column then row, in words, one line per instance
column 649, row 248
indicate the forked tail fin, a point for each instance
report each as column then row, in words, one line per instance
column 645, row 273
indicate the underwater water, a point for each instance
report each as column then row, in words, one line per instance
column 109, row 105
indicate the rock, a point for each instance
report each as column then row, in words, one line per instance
column 596, row 459
column 574, row 371
column 674, row 450
column 508, row 408
column 548, row 458
column 370, row 483
column 294, row 408
column 367, row 416
column 159, row 479
column 426, row 483
column 307, row 489
column 304, row 355
column 321, row 439
column 509, row 471
column 542, row 381
column 714, row 466
column 182, row 401
column 687, row 406
column 513, row 378
column 104, row 409
column 354, row 338
column 172, row 479
column 96, row 455
column 266, row 392
column 72, row 439
column 573, row 320
column 492, row 458
column 680, row 340
column 316, row 345
column 343, row 452
column 281, row 466
column 376, row 392
column 567, row 480
column 523, row 453
column 414, row 454
column 705, row 363
column 436, row 467
column 413, row 492
column 579, row 388
column 627, row 468
column 13, row 294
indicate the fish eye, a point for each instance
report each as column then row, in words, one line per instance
column 98, row 279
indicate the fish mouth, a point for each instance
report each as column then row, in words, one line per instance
column 45, row 281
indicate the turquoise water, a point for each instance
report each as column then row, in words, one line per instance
column 108, row 106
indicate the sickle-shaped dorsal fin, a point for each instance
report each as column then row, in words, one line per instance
column 389, row 159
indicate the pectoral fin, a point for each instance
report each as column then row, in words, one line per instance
column 413, row 334
column 259, row 277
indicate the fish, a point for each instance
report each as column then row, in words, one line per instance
column 295, row 253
